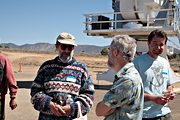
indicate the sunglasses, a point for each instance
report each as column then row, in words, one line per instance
column 65, row 46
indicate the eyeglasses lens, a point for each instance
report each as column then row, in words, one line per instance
column 69, row 47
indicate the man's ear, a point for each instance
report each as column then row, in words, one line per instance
column 115, row 52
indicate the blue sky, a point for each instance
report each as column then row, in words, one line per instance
column 33, row 21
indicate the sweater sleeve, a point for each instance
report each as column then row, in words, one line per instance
column 84, row 101
column 9, row 76
column 39, row 99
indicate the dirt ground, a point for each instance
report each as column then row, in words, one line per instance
column 26, row 72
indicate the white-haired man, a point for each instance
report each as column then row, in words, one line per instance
column 124, row 100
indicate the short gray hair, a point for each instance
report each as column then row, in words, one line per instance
column 126, row 45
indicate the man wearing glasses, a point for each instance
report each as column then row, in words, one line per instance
column 124, row 100
column 63, row 88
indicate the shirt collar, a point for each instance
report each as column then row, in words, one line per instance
column 123, row 70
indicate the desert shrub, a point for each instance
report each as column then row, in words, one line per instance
column 104, row 51
column 6, row 46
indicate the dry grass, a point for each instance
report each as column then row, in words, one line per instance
column 31, row 62
column 95, row 63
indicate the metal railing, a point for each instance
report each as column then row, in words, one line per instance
column 171, row 20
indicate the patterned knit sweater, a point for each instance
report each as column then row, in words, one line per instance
column 54, row 81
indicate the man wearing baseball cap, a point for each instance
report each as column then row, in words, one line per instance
column 63, row 88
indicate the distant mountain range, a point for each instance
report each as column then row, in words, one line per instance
column 47, row 47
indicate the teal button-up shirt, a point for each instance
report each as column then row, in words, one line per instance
column 126, row 95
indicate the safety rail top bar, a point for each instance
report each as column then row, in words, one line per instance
column 171, row 26
column 100, row 13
